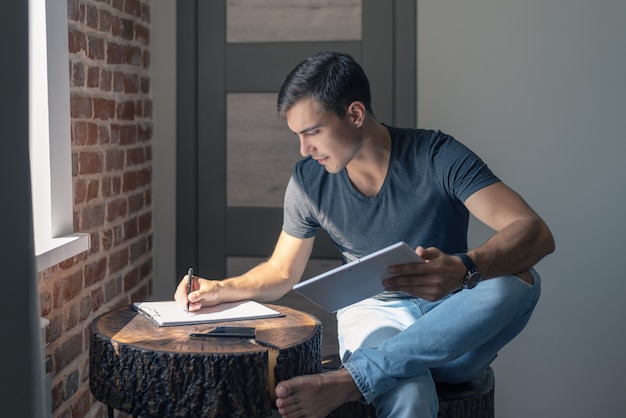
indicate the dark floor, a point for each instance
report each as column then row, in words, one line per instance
column 329, row 321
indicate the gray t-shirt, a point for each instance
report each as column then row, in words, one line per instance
column 429, row 177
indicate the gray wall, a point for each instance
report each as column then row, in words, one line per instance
column 537, row 89
column 163, row 53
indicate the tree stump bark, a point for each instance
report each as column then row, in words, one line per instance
column 151, row 371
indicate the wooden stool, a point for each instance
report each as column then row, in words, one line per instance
column 150, row 371
column 474, row 399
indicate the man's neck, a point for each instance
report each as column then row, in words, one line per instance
column 368, row 170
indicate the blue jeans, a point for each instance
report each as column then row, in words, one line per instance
column 395, row 348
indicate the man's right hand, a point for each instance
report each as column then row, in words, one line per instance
column 203, row 293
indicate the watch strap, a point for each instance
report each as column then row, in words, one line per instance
column 467, row 261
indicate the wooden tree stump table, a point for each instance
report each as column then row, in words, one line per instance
column 150, row 371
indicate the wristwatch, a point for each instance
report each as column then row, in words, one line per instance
column 473, row 276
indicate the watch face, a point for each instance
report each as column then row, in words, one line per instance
column 472, row 280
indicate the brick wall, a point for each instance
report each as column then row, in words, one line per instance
column 111, row 122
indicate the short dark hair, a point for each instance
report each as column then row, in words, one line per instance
column 333, row 79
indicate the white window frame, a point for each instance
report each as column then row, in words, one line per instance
column 50, row 136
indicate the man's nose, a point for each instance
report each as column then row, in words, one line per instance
column 305, row 147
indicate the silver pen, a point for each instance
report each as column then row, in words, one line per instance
column 189, row 276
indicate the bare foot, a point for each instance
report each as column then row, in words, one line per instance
column 315, row 395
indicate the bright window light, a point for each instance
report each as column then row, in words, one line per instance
column 50, row 138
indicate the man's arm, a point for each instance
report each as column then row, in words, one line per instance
column 266, row 282
column 521, row 239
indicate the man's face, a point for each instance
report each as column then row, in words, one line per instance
column 331, row 140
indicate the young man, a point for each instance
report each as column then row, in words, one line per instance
column 369, row 185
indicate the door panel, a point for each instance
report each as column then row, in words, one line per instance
column 235, row 155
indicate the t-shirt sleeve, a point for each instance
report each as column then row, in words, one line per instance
column 461, row 171
column 298, row 219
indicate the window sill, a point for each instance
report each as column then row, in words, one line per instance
column 60, row 249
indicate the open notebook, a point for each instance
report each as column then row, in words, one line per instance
column 169, row 313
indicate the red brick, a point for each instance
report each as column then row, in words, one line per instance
column 126, row 110
column 104, row 109
column 80, row 191
column 58, row 395
column 145, row 176
column 131, row 83
column 92, row 217
column 84, row 308
column 80, row 107
column 118, row 4
column 97, row 299
column 55, row 328
column 70, row 287
column 45, row 302
column 114, row 160
column 142, row 34
column 118, row 81
column 78, row 74
column 71, row 316
column 79, row 133
column 93, row 77
column 92, row 189
column 96, row 48
column 131, row 279
column 145, row 13
column 72, row 10
column 77, row 41
column 135, row 156
column 131, row 229
column 116, row 209
column 145, row 223
column 95, row 271
column 144, row 131
column 93, row 133
column 135, row 203
column 127, row 27
column 90, row 163
column 105, row 80
column 116, row 26
column 118, row 260
column 145, row 59
column 111, row 186
column 145, row 84
column 68, row 351
column 139, row 107
column 138, row 249
column 111, row 290
column 133, row 7
column 105, row 21
column 148, row 108
column 116, row 53
column 103, row 135
column 66, row 264
column 130, row 180
column 127, row 134
column 92, row 16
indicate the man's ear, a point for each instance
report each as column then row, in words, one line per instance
column 356, row 113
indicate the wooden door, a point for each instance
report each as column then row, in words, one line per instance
column 234, row 155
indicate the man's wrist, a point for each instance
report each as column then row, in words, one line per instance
column 472, row 276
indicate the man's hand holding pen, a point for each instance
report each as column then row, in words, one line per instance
column 193, row 292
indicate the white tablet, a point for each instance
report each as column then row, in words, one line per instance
column 356, row 280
